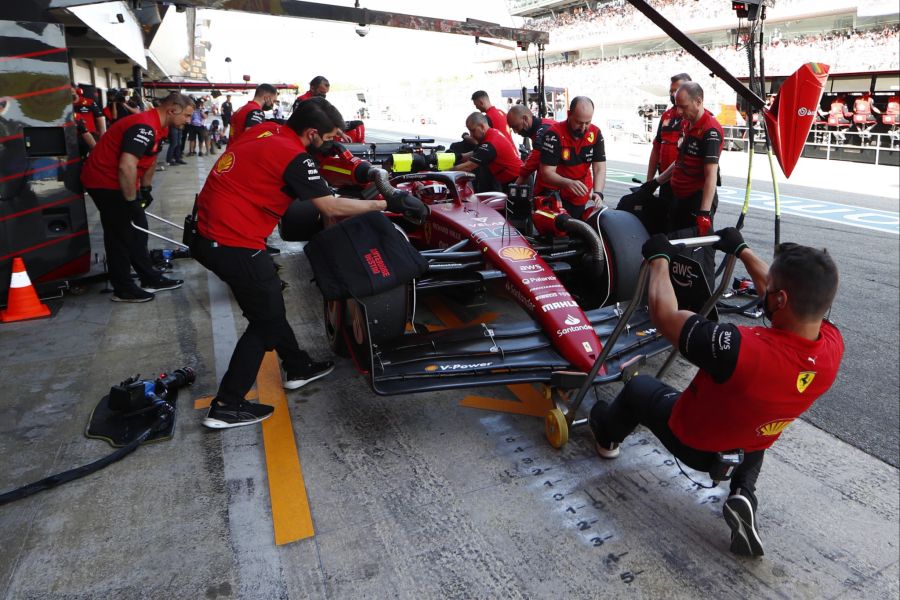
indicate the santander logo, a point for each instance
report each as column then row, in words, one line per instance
column 570, row 320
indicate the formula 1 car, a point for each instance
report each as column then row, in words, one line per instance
column 568, row 275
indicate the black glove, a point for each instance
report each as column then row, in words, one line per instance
column 659, row 246
column 649, row 187
column 730, row 241
column 404, row 203
column 145, row 198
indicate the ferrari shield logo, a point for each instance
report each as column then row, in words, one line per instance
column 804, row 379
column 591, row 137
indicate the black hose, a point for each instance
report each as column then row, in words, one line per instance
column 166, row 411
column 585, row 232
column 382, row 181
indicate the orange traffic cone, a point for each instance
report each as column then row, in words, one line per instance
column 23, row 302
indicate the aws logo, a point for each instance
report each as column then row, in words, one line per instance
column 773, row 427
column 517, row 253
column 804, row 379
column 225, row 164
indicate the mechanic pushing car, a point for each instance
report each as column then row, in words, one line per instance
column 494, row 152
column 253, row 113
column 248, row 189
column 665, row 152
column 752, row 383
column 695, row 174
column 573, row 160
column 521, row 120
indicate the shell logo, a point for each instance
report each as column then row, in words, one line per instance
column 517, row 253
column 566, row 154
column 225, row 164
column 431, row 368
column 773, row 427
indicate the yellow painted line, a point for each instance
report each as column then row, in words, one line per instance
column 287, row 490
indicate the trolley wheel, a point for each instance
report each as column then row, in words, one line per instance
column 556, row 429
column 334, row 320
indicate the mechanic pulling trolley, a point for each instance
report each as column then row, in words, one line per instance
column 753, row 382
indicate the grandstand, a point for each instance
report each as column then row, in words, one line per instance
column 611, row 52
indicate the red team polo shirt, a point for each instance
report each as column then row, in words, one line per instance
column 573, row 157
column 701, row 144
column 137, row 134
column 244, row 118
column 536, row 135
column 752, row 383
column 499, row 155
column 667, row 136
column 253, row 183
column 87, row 111
column 497, row 119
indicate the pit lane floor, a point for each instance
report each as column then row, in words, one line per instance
column 409, row 497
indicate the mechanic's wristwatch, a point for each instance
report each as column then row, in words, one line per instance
column 599, row 194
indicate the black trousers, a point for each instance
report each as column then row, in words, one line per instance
column 174, row 151
column 125, row 246
column 255, row 285
column 647, row 401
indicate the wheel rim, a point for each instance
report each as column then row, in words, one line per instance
column 556, row 428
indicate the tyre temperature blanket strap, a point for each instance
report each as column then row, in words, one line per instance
column 362, row 256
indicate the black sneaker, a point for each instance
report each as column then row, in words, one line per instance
column 180, row 162
column 162, row 284
column 313, row 371
column 135, row 295
column 272, row 250
column 221, row 416
column 740, row 516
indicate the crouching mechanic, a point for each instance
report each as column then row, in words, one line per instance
column 248, row 189
column 494, row 152
column 753, row 381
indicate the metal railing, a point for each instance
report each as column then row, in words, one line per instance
column 829, row 143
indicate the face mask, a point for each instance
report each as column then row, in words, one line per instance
column 672, row 99
column 267, row 106
column 326, row 148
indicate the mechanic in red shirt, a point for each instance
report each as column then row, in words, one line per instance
column 573, row 159
column 665, row 152
column 253, row 113
column 247, row 191
column 521, row 120
column 753, row 381
column 318, row 88
column 695, row 173
column 496, row 117
column 118, row 165
column 494, row 152
column 88, row 112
